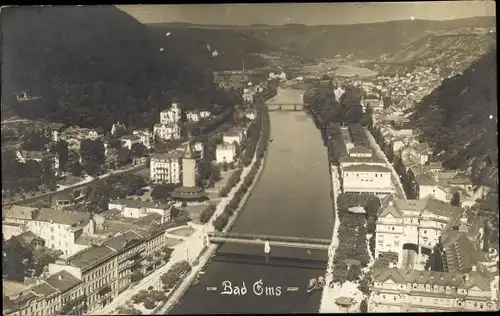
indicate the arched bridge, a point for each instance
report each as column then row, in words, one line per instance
column 277, row 241
column 285, row 106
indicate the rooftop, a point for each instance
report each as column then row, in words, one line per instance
column 62, row 281
column 11, row 287
column 123, row 240
column 167, row 156
column 430, row 205
column 62, row 217
column 139, row 204
column 454, row 280
column 225, row 146
column 365, row 168
column 18, row 212
column 360, row 150
column 365, row 160
column 90, row 256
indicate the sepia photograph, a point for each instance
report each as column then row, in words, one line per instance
column 252, row 158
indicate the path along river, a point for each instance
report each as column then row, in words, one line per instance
column 292, row 198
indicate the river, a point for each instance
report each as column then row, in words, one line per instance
column 292, row 198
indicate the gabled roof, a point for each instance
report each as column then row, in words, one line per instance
column 383, row 212
column 404, row 276
column 18, row 212
column 121, row 241
column 62, row 217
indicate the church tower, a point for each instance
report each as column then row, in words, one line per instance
column 189, row 167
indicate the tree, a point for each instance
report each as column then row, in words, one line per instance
column 123, row 156
column 140, row 297
column 112, row 156
column 114, row 143
column 354, row 273
column 76, row 169
column 455, row 199
column 62, row 151
column 363, row 306
column 162, row 192
column 138, row 150
column 35, row 141
column 225, row 166
column 15, row 260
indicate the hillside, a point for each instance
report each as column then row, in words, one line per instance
column 455, row 118
column 363, row 40
column 446, row 50
column 93, row 65
column 232, row 46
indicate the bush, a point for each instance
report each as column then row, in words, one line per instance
column 363, row 306
column 221, row 221
column 207, row 213
column 149, row 304
column 140, row 297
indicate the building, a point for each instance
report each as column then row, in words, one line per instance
column 251, row 114
column 166, row 167
column 411, row 225
column 109, row 268
column 116, row 127
column 188, row 168
column 172, row 115
column 225, row 153
column 358, row 155
column 144, row 136
column 467, row 281
column 38, row 156
column 402, row 290
column 60, row 229
column 129, row 140
column 139, row 209
column 15, row 219
column 193, row 116
column 233, row 135
column 426, row 186
column 167, row 131
column 363, row 178
column 205, row 114
column 47, row 297
column 198, row 150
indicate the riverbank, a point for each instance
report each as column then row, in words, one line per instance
column 208, row 252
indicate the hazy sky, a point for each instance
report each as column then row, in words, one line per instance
column 309, row 14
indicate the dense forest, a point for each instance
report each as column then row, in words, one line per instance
column 94, row 65
column 460, row 119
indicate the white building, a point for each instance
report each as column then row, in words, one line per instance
column 138, row 209
column 205, row 114
column 167, row 131
column 129, row 140
column 23, row 156
column 365, row 178
column 59, row 228
column 232, row 136
column 193, row 116
column 166, row 167
column 172, row 115
column 144, row 136
column 116, row 126
column 251, row 114
column 412, row 225
column 225, row 153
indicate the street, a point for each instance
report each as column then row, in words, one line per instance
column 396, row 181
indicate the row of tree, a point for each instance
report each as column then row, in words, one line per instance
column 221, row 221
column 231, row 182
column 174, row 274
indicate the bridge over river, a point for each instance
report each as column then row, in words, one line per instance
column 292, row 198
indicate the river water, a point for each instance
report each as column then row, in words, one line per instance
column 292, row 198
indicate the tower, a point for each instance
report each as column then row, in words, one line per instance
column 188, row 167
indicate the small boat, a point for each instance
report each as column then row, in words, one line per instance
column 312, row 285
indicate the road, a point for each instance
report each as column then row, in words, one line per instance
column 292, row 198
column 70, row 188
column 396, row 181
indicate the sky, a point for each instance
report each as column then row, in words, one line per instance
column 309, row 13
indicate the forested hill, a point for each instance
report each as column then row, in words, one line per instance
column 93, row 65
column 460, row 118
column 226, row 49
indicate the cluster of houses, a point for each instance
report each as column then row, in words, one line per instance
column 101, row 253
column 422, row 175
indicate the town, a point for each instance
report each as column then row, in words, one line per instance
column 119, row 219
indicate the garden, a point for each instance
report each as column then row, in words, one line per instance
column 352, row 254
